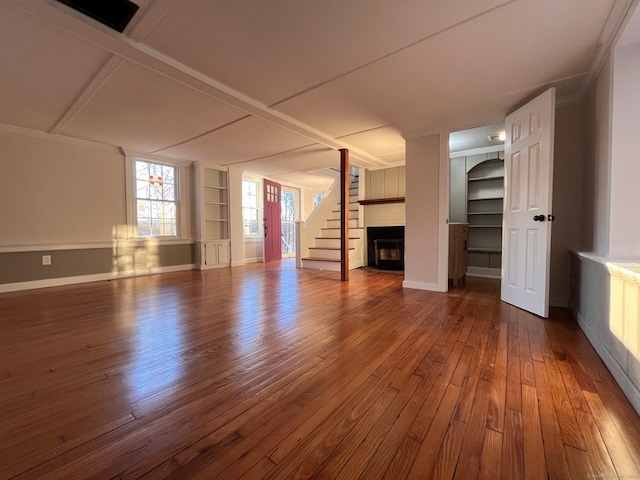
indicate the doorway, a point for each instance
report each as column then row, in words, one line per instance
column 290, row 212
column 524, row 185
column 272, row 221
column 476, row 199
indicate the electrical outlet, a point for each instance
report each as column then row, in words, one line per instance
column 46, row 259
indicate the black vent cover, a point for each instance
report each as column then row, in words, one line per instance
column 114, row 14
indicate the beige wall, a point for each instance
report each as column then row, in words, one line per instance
column 67, row 200
column 385, row 183
column 567, row 198
column 58, row 193
column 306, row 202
column 253, row 250
column 426, row 206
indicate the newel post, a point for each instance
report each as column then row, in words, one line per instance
column 344, row 215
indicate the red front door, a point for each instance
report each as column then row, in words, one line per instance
column 272, row 222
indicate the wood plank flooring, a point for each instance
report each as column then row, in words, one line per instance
column 265, row 371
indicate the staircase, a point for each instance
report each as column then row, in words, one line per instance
column 325, row 253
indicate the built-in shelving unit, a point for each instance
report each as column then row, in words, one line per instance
column 213, row 233
column 216, row 205
column 485, row 191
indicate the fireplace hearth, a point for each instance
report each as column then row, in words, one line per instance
column 385, row 247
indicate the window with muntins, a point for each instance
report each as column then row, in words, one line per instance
column 250, row 208
column 156, row 199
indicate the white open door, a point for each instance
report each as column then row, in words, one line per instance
column 526, row 243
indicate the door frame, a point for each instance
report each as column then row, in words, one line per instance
column 272, row 224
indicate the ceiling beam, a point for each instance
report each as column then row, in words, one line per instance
column 66, row 19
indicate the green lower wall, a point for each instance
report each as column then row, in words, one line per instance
column 27, row 266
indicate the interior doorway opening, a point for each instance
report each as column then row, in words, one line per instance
column 476, row 192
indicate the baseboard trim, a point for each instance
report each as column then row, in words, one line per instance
column 251, row 260
column 630, row 390
column 212, row 267
column 484, row 272
column 432, row 287
column 58, row 282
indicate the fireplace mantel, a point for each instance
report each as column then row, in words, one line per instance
column 377, row 201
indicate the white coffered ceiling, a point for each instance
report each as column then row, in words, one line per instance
column 277, row 87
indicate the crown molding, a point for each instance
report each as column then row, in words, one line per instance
column 58, row 138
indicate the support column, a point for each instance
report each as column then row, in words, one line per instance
column 344, row 214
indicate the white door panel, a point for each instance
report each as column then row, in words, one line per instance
column 528, row 190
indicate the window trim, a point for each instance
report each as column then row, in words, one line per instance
column 258, row 182
column 181, row 187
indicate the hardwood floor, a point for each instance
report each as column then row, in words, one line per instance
column 266, row 371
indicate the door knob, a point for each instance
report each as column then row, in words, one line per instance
column 551, row 218
column 539, row 218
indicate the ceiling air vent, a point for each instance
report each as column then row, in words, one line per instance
column 114, row 14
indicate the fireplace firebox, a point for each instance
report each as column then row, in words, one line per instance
column 385, row 248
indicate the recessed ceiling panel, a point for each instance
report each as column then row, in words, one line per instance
column 495, row 55
column 272, row 50
column 247, row 139
column 138, row 108
column 377, row 141
column 317, row 182
column 42, row 69
column 302, row 160
column 394, row 158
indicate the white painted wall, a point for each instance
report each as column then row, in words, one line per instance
column 624, row 228
column 605, row 304
column 597, row 159
column 427, row 206
column 384, row 215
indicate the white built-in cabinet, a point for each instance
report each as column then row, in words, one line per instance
column 217, row 254
column 213, row 244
